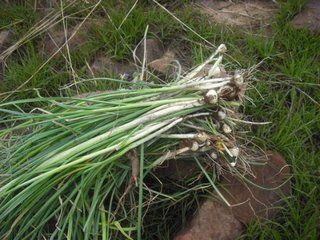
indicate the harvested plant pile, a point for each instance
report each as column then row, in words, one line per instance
column 75, row 168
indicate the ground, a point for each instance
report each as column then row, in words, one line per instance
column 285, row 63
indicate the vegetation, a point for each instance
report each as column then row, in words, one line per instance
column 286, row 87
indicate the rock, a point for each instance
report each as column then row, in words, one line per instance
column 47, row 4
column 4, row 37
column 154, row 50
column 103, row 64
column 212, row 222
column 309, row 18
column 244, row 14
column 252, row 202
column 164, row 65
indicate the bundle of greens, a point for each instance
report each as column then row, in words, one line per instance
column 74, row 167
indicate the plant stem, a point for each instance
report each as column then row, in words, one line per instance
column 140, row 191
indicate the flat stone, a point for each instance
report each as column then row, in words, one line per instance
column 309, row 18
column 212, row 222
column 263, row 198
column 245, row 14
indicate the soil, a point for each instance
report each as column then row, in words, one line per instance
column 250, row 14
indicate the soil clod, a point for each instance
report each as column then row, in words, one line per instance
column 103, row 64
column 4, row 38
column 309, row 18
column 154, row 50
column 212, row 222
column 261, row 194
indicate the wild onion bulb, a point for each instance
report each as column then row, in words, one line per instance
column 212, row 96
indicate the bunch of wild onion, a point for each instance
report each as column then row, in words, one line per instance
column 72, row 163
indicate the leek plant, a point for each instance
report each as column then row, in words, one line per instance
column 74, row 167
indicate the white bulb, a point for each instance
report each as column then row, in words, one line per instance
column 212, row 96
column 226, row 129
column 213, row 155
column 221, row 115
column 214, row 72
column 238, row 78
column 234, row 151
column 222, row 48
column 202, row 137
column 194, row 147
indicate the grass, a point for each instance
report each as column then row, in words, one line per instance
column 286, row 82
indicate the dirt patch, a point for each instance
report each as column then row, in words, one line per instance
column 309, row 18
column 75, row 36
column 57, row 37
column 249, row 14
